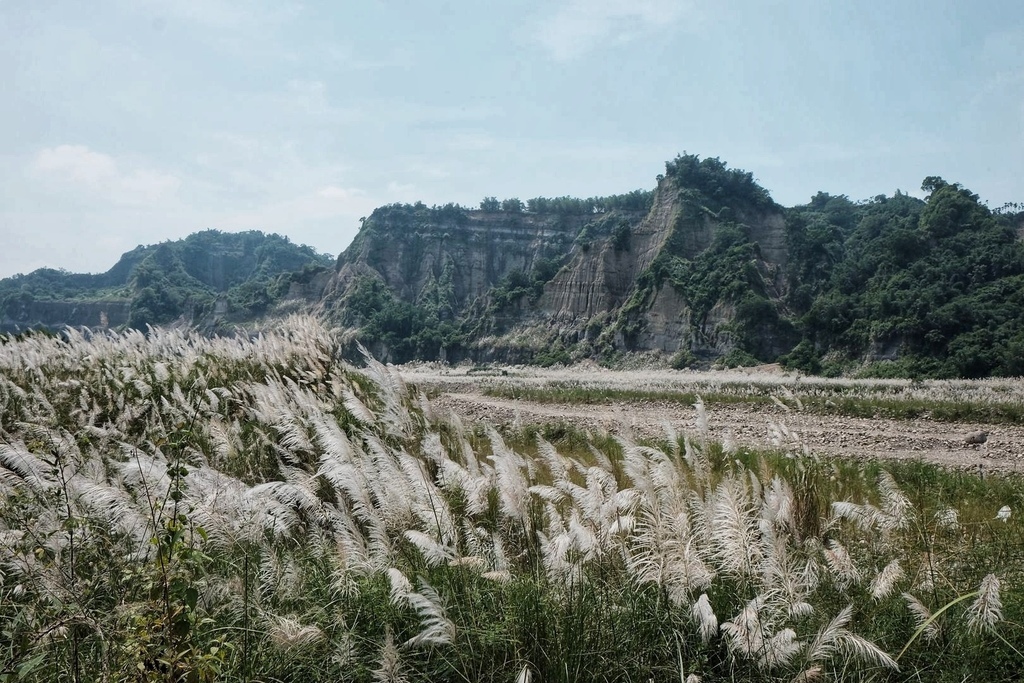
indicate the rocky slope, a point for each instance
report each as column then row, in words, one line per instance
column 600, row 280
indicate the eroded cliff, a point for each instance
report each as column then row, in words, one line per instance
column 667, row 276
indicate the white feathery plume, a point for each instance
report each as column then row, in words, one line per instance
column 778, row 503
column 637, row 467
column 825, row 643
column 389, row 668
column 663, row 552
column 987, row 609
column 865, row 516
column 744, row 632
column 378, row 544
column 357, row 408
column 704, row 615
column 400, row 586
column 733, row 528
column 1004, row 514
column 512, row 484
column 671, row 436
column 330, row 438
column 429, row 505
column 600, row 459
column 223, row 441
column 474, row 562
column 809, row 675
column 555, row 463
column 702, row 419
column 841, row 565
column 780, row 649
column 922, row 616
column 392, row 393
column 549, row 494
column 885, row 580
column 866, row 651
column 287, row 633
column 835, row 637
column 437, row 629
column 896, row 506
column 525, row 675
column 948, row 518
column 19, row 467
column 425, row 407
column 500, row 560
column 434, row 553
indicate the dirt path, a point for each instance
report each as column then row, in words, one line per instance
column 752, row 425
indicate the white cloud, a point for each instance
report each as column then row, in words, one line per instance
column 82, row 171
column 580, row 25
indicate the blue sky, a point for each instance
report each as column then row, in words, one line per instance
column 129, row 122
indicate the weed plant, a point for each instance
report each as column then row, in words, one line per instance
column 176, row 508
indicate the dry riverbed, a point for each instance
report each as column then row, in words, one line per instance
column 463, row 391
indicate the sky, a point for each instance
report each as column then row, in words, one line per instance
column 127, row 122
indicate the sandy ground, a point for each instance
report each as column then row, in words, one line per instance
column 748, row 425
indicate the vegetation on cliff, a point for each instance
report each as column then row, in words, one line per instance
column 248, row 271
column 937, row 284
column 921, row 287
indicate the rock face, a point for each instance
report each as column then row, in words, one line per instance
column 59, row 314
column 612, row 280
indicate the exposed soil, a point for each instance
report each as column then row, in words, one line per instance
column 754, row 425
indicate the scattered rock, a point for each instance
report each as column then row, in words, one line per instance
column 976, row 438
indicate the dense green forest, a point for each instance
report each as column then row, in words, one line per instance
column 248, row 271
column 939, row 282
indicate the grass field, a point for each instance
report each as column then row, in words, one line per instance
column 174, row 508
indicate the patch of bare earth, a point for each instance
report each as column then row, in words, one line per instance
column 746, row 424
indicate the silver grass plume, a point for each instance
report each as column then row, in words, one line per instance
column 701, row 420
column 704, row 615
column 844, row 571
column 664, row 553
column 987, row 609
column 948, row 518
column 835, row 637
column 433, row 553
column 884, row 582
column 287, row 633
column 400, row 586
column 357, row 408
column 389, row 665
column 513, row 485
column 778, row 504
column 437, row 629
column 923, row 617
column 896, row 507
column 733, row 528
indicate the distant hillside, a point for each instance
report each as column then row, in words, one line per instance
column 206, row 278
column 706, row 268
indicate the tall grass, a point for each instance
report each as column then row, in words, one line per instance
column 255, row 509
column 839, row 400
